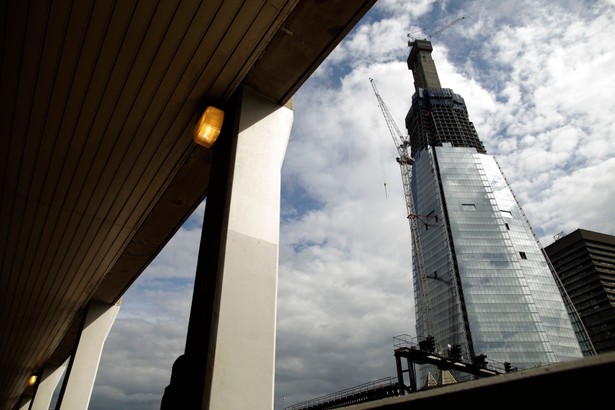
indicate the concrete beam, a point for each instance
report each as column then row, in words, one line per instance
column 588, row 379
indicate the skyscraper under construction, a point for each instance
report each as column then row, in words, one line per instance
column 482, row 283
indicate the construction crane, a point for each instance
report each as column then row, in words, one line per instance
column 446, row 26
column 412, row 39
column 405, row 161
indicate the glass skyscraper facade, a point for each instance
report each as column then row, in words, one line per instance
column 485, row 284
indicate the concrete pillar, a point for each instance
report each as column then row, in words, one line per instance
column 245, row 348
column 50, row 377
column 83, row 364
column 230, row 347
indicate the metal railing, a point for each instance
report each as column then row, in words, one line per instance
column 373, row 390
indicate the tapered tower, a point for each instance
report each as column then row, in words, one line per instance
column 491, row 290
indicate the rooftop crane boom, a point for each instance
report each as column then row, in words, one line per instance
column 441, row 29
column 412, row 38
column 405, row 161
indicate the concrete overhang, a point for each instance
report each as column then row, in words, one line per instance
column 98, row 168
column 586, row 381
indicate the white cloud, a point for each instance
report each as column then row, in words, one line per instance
column 531, row 105
column 136, row 363
column 582, row 198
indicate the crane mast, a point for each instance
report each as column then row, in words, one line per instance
column 405, row 162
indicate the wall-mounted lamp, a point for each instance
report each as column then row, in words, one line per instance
column 32, row 380
column 208, row 128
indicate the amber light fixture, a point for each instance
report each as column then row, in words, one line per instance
column 32, row 380
column 208, row 128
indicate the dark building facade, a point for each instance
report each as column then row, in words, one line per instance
column 585, row 263
column 482, row 282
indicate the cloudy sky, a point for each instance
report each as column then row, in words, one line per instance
column 538, row 79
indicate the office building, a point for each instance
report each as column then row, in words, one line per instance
column 483, row 285
column 585, row 263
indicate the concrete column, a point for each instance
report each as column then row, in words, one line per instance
column 245, row 348
column 50, row 377
column 83, row 365
column 230, row 347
